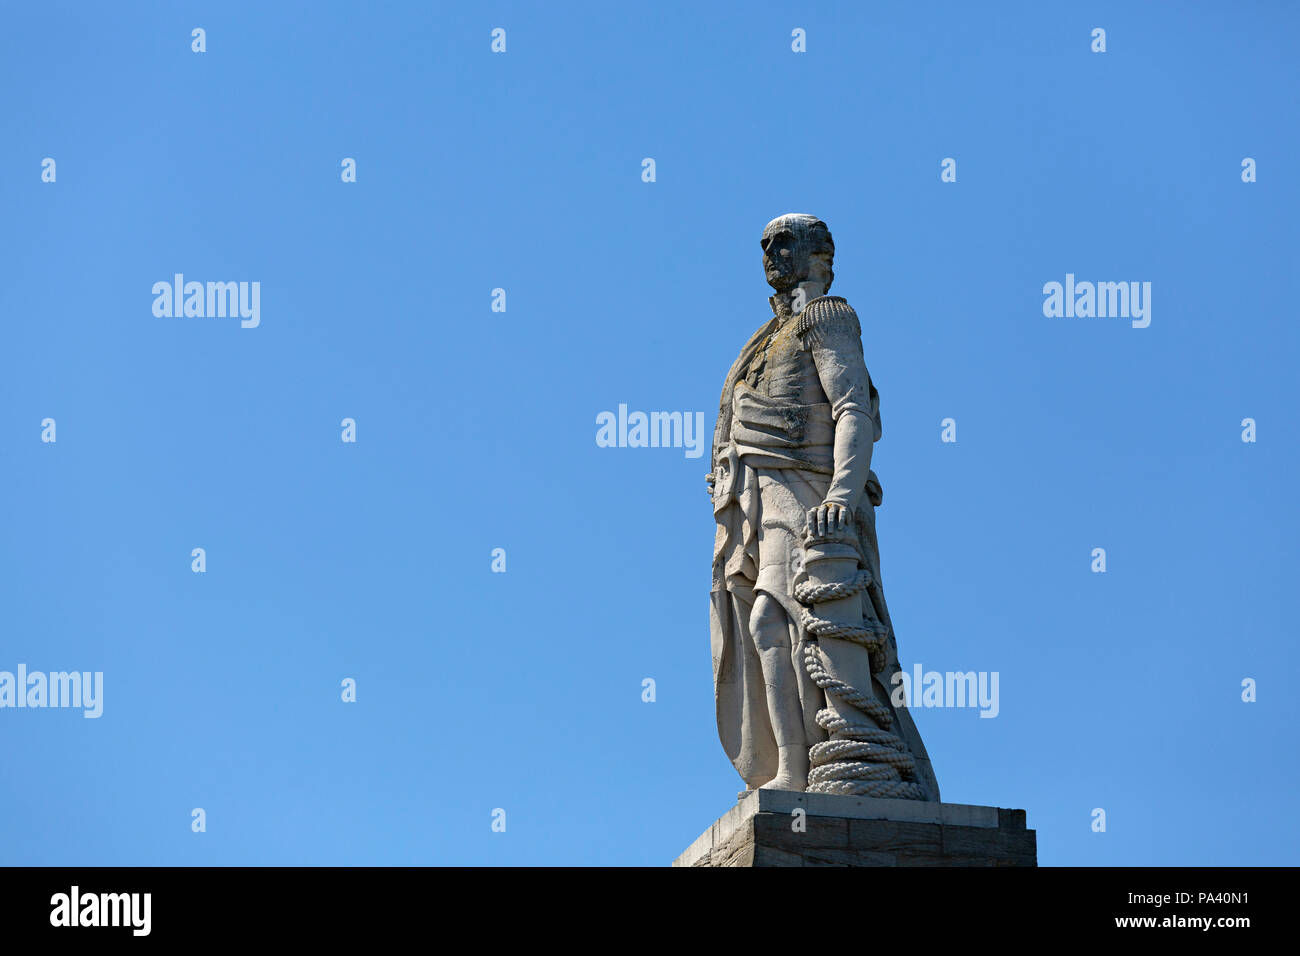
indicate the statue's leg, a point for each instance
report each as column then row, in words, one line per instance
column 770, row 628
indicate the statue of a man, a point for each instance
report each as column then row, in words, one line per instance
column 803, row 648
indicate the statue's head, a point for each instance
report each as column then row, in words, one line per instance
column 797, row 247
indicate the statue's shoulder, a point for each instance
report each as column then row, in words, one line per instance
column 827, row 316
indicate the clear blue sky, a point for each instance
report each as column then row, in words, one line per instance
column 476, row 429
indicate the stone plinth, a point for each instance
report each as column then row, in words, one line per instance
column 763, row 830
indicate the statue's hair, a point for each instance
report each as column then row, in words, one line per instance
column 824, row 247
column 820, row 233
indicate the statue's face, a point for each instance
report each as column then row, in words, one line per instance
column 782, row 265
column 791, row 254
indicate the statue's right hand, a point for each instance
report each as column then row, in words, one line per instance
column 827, row 519
column 709, row 479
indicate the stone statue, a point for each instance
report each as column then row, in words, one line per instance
column 803, row 647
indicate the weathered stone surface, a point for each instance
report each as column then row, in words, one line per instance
column 894, row 837
column 764, row 829
column 1011, row 819
column 805, row 659
column 774, row 830
column 804, row 652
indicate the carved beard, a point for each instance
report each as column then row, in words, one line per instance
column 785, row 281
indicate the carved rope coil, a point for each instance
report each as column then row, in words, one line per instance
column 859, row 759
column 896, row 789
column 812, row 660
column 859, row 730
column 835, row 750
column 872, row 637
column 806, row 592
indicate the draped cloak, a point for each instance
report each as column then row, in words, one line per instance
column 766, row 452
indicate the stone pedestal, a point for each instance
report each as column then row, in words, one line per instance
column 763, row 829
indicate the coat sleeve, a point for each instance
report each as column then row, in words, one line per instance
column 830, row 331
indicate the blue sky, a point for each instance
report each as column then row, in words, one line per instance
column 476, row 429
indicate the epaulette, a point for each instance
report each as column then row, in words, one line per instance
column 826, row 314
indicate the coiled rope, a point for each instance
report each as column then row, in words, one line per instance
column 860, row 758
